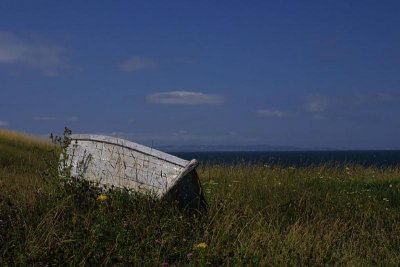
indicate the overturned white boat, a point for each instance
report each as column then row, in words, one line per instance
column 117, row 162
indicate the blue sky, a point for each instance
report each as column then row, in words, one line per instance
column 299, row 73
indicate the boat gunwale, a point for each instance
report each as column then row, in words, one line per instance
column 131, row 145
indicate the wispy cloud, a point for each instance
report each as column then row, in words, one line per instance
column 368, row 98
column 181, row 132
column 43, row 118
column 138, row 63
column 185, row 98
column 318, row 117
column 3, row 123
column 72, row 119
column 271, row 113
column 316, row 103
column 332, row 48
column 356, row 106
column 46, row 58
column 182, row 137
column 50, row 118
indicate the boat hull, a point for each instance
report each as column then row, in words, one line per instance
column 120, row 163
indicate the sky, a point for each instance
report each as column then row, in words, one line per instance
column 310, row 74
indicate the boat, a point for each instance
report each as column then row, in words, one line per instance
column 120, row 163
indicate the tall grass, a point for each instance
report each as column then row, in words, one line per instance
column 258, row 215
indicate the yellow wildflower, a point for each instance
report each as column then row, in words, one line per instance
column 201, row 245
column 102, row 198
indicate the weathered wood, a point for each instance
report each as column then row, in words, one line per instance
column 112, row 161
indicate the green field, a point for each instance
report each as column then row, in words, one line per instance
column 258, row 215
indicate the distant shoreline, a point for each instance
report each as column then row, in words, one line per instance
column 377, row 158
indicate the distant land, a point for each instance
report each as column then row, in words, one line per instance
column 228, row 148
column 258, row 148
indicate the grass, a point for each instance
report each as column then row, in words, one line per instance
column 258, row 215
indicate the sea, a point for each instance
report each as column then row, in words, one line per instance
column 381, row 158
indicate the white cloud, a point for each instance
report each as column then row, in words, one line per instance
column 131, row 121
column 3, row 123
column 271, row 113
column 43, row 118
column 184, row 98
column 31, row 54
column 72, row 119
column 316, row 103
column 138, row 63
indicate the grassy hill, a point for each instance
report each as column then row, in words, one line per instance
column 322, row 215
